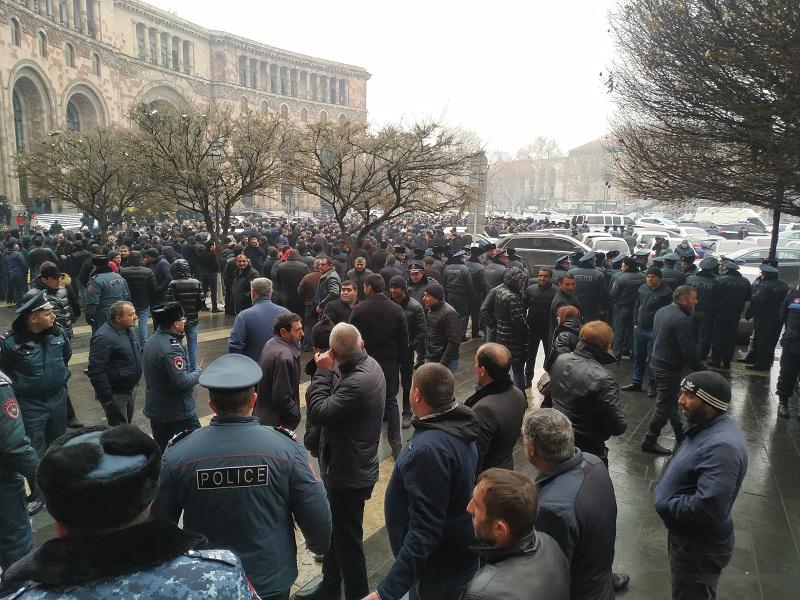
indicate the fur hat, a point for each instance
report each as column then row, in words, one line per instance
column 166, row 314
column 97, row 478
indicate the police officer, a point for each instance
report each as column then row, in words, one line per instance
column 672, row 276
column 765, row 310
column 169, row 403
column 790, row 356
column 458, row 288
column 561, row 266
column 104, row 288
column 35, row 354
column 642, row 256
column 495, row 267
column 735, row 292
column 243, row 485
column 623, row 295
column 99, row 484
column 708, row 300
column 591, row 288
column 19, row 460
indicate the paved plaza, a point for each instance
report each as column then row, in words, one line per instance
column 766, row 562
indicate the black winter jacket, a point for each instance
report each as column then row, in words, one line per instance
column 383, row 328
column 444, row 336
column 539, row 300
column 185, row 290
column 625, row 290
column 337, row 311
column 674, row 343
column 115, row 361
column 509, row 310
column 142, row 285
column 565, row 339
column 348, row 404
column 240, row 289
column 587, row 393
column 648, row 303
column 736, row 292
column 417, row 326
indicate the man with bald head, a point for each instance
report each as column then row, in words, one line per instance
column 499, row 405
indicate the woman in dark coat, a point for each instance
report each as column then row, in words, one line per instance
column 240, row 289
column 565, row 337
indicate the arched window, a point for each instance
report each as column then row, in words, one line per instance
column 323, row 116
column 304, row 115
column 243, row 104
column 19, row 131
column 69, row 55
column 73, row 120
column 284, row 111
column 342, row 118
column 42, row 44
column 15, row 32
column 264, row 107
column 96, row 64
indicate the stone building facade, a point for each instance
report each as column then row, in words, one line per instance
column 80, row 64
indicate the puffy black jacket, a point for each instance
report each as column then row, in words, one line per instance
column 142, row 285
column 509, row 310
column 415, row 320
column 565, row 339
column 185, row 290
column 444, row 336
column 115, row 361
column 736, row 291
column 383, row 328
column 349, row 406
column 587, row 393
column 648, row 303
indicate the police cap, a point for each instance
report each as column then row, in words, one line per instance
column 458, row 254
column 671, row 256
column 619, row 259
column 708, row 263
column 562, row 258
column 587, row 257
column 730, row 265
column 415, row 267
column 767, row 268
column 37, row 301
column 658, row 260
column 231, row 372
column 166, row 314
column 642, row 252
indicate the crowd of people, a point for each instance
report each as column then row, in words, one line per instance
column 387, row 316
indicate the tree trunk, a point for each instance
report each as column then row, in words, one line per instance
column 776, row 225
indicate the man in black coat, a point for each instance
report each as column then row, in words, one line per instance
column 339, row 310
column 623, row 295
column 142, row 287
column 417, row 331
column 476, row 268
column 288, row 275
column 499, row 406
column 347, row 399
column 538, row 299
column 382, row 324
column 457, row 283
column 708, row 301
column 765, row 310
column 736, row 292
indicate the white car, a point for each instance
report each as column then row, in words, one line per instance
column 687, row 232
column 607, row 244
column 656, row 221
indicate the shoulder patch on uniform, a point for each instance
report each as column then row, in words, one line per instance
column 287, row 432
column 221, row 556
column 179, row 436
column 178, row 362
column 174, row 342
column 6, row 334
column 11, row 408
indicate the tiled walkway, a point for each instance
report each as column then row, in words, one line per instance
column 765, row 565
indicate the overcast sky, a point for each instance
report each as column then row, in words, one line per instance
column 509, row 70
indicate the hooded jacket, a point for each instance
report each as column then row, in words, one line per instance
column 430, row 530
column 185, row 290
column 511, row 329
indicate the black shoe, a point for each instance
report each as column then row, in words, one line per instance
column 757, row 367
column 321, row 592
column 73, row 423
column 652, row 392
column 747, row 359
column 319, row 558
column 654, row 448
column 406, row 421
column 726, row 365
column 713, row 363
column 621, row 581
column 34, row 506
column 632, row 387
column 783, row 410
column 396, row 451
column 215, row 310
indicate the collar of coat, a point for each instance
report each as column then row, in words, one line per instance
column 527, row 545
column 80, row 559
column 495, row 387
column 590, row 351
column 555, row 470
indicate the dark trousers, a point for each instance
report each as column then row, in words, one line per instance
column 16, row 539
column 119, row 410
column 461, row 304
column 345, row 559
column 406, row 374
column 696, row 566
column 309, row 320
column 17, row 286
column 766, row 332
column 668, row 384
column 703, row 325
column 536, row 336
column 475, row 314
column 642, row 347
column 209, row 283
column 44, row 420
column 164, row 432
column 787, row 376
column 724, row 346
column 623, row 330
column 391, row 372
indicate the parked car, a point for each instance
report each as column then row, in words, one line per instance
column 541, row 249
column 731, row 230
column 751, row 258
column 607, row 244
column 653, row 220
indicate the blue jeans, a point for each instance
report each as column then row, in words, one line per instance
column 45, row 420
column 642, row 347
column 16, row 539
column 143, row 315
column 518, row 373
column 190, row 331
column 452, row 367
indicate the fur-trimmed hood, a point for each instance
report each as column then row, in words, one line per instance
column 81, row 559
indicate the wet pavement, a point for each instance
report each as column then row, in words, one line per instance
column 766, row 561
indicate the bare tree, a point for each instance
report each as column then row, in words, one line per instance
column 206, row 160
column 92, row 171
column 542, row 148
column 709, row 102
column 370, row 178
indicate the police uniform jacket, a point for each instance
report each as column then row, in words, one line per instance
column 591, row 291
column 672, row 277
column 790, row 315
column 708, row 290
column 169, row 382
column 493, row 275
column 16, row 453
column 767, row 299
column 115, row 361
column 735, row 290
column 476, row 270
column 37, row 365
column 626, row 289
column 151, row 560
column 102, row 291
column 457, row 281
column 348, row 404
column 243, row 485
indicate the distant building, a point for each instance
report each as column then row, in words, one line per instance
column 80, row 64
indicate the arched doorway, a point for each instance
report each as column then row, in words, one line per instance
column 31, row 110
column 84, row 110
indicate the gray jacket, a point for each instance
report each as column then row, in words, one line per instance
column 169, row 382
